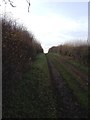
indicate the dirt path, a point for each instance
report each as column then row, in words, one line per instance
column 67, row 106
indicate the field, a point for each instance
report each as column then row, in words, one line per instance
column 55, row 86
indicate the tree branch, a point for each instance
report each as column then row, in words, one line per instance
column 28, row 1
column 11, row 3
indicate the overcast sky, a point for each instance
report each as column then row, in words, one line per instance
column 51, row 21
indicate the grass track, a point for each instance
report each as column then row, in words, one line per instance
column 40, row 80
column 33, row 96
column 81, row 95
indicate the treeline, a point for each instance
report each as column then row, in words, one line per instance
column 19, row 49
column 79, row 51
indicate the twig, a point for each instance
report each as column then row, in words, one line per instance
column 28, row 4
column 11, row 3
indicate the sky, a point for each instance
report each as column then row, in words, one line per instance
column 53, row 22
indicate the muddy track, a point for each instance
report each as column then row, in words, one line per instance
column 67, row 105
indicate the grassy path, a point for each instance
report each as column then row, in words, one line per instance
column 67, row 90
column 49, row 89
column 68, row 76
column 33, row 96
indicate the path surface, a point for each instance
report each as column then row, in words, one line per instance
column 42, row 92
column 81, row 75
column 67, row 105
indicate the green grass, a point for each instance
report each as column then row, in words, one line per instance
column 75, row 63
column 79, row 66
column 81, row 95
column 33, row 97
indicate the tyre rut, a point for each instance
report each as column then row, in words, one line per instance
column 67, row 105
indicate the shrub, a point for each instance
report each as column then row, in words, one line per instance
column 19, row 48
column 78, row 51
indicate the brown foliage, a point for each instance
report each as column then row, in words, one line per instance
column 19, row 49
column 77, row 51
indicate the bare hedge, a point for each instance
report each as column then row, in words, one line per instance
column 79, row 52
column 19, row 49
